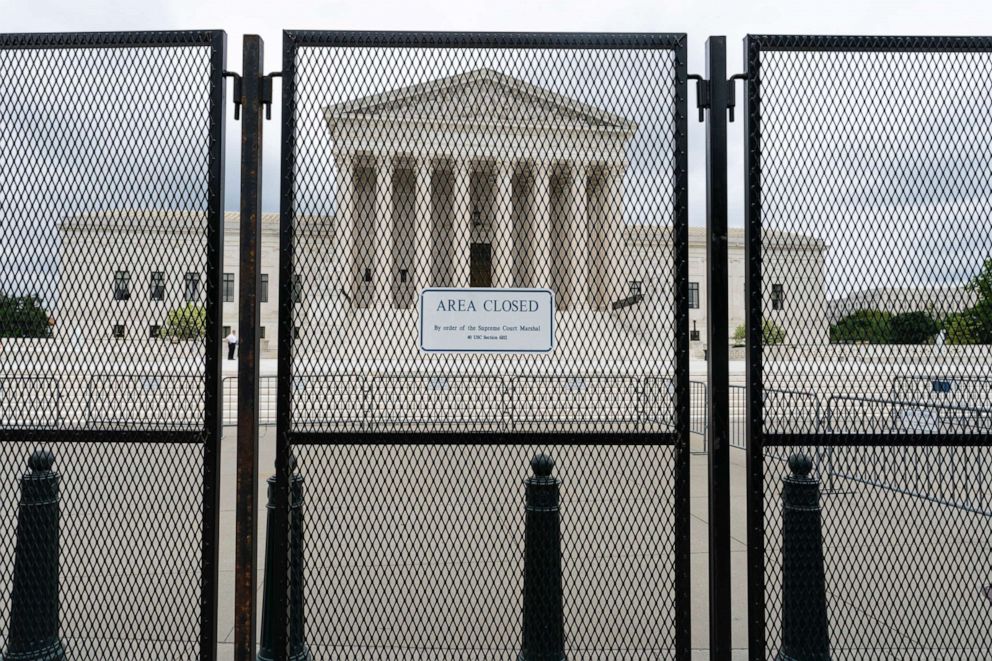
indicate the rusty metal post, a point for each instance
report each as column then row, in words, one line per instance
column 246, row 557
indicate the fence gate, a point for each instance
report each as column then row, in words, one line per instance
column 868, row 189
column 111, row 172
column 484, row 258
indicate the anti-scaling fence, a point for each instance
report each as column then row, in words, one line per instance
column 110, row 184
column 867, row 184
column 552, row 169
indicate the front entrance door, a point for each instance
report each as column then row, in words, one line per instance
column 482, row 265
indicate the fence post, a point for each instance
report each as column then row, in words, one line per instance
column 804, row 594
column 298, row 649
column 34, row 598
column 249, row 316
column 543, row 616
column 718, row 356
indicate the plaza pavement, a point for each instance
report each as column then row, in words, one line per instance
column 698, row 559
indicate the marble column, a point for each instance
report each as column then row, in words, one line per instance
column 502, row 238
column 616, row 274
column 541, row 226
column 422, row 235
column 579, row 238
column 345, row 225
column 383, row 257
column 461, row 250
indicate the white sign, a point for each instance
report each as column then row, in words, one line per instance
column 487, row 320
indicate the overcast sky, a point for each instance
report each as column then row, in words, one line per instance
column 698, row 18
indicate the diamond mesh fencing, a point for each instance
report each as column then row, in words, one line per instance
column 870, row 300
column 110, row 190
column 496, row 169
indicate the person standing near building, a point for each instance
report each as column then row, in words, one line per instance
column 232, row 344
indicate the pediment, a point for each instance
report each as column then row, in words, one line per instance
column 482, row 96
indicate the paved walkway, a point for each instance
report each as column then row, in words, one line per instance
column 699, row 561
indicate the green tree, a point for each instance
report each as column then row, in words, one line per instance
column 871, row 326
column 23, row 316
column 974, row 325
column 740, row 333
column 913, row 328
column 186, row 323
column 981, row 284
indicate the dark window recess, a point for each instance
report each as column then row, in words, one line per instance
column 154, row 330
column 263, row 295
column 122, row 285
column 694, row 295
column 227, row 331
column 297, row 288
column 191, row 287
column 261, row 332
column 403, row 275
column 368, row 275
column 119, row 330
column 694, row 333
column 156, row 288
column 228, row 287
column 778, row 297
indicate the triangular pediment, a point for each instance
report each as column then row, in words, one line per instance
column 482, row 96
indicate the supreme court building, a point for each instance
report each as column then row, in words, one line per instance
column 424, row 201
column 473, row 180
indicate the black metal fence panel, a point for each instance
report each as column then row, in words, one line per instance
column 870, row 353
column 425, row 174
column 111, row 148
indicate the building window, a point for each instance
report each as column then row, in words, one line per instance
column 154, row 331
column 227, row 331
column 694, row 333
column 228, row 287
column 263, row 296
column 119, row 331
column 694, row 295
column 191, row 283
column 122, row 285
column 297, row 288
column 635, row 288
column 778, row 297
column 403, row 275
column 156, row 289
column 261, row 332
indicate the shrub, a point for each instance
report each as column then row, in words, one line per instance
column 771, row 333
column 871, row 326
column 913, row 328
column 186, row 323
column 973, row 326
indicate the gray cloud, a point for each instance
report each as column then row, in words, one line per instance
column 697, row 18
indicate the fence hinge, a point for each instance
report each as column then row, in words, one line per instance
column 731, row 92
column 703, row 93
column 237, row 92
column 266, row 92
